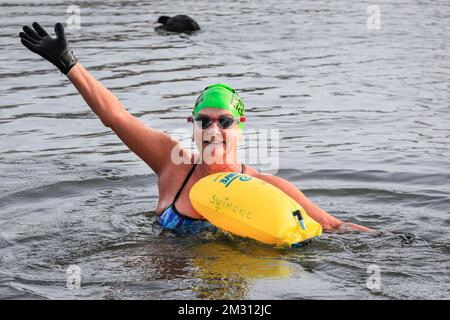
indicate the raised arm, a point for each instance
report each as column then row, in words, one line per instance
column 152, row 146
column 326, row 220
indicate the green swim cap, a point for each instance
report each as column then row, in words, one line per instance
column 220, row 96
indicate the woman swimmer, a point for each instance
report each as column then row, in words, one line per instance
column 218, row 118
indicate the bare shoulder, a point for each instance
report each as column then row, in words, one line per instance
column 178, row 166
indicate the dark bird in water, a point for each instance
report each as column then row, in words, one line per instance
column 179, row 23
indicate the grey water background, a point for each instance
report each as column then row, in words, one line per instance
column 364, row 121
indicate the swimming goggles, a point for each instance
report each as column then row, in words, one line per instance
column 224, row 122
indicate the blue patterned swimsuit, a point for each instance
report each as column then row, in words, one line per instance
column 172, row 219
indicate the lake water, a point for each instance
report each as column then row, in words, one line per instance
column 364, row 120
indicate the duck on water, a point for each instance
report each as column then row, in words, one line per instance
column 178, row 23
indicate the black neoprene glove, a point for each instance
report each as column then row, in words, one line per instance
column 56, row 50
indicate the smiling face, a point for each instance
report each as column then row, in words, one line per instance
column 217, row 145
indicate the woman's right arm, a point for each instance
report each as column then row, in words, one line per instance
column 152, row 146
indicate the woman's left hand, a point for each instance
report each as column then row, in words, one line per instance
column 347, row 226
